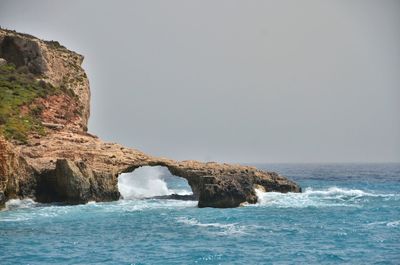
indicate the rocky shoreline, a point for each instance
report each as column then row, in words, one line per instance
column 59, row 161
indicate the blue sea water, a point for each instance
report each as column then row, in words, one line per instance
column 347, row 214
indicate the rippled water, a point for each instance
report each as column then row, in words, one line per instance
column 346, row 214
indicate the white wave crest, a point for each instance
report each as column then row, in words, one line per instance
column 384, row 223
column 46, row 211
column 333, row 196
column 222, row 229
column 393, row 224
column 146, row 182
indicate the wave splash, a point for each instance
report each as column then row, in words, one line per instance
column 330, row 197
column 20, row 204
column 147, row 182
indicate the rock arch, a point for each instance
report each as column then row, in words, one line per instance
column 213, row 184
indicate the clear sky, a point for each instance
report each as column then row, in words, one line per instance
column 236, row 81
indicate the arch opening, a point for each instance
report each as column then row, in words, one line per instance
column 153, row 182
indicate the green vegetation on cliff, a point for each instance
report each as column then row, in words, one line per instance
column 18, row 87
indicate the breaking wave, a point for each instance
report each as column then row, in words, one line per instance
column 393, row 224
column 217, row 228
column 385, row 223
column 147, row 182
column 18, row 204
column 330, row 197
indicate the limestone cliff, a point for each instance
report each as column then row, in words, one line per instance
column 47, row 154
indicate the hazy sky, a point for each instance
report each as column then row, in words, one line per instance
column 237, row 81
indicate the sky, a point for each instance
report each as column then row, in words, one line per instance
column 234, row 81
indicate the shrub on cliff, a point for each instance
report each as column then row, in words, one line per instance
column 20, row 88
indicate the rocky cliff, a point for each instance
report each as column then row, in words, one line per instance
column 47, row 154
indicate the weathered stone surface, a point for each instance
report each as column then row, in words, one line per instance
column 54, row 64
column 22, row 51
column 2, row 62
column 17, row 179
column 70, row 183
column 72, row 166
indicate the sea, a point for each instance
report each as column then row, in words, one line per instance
column 347, row 214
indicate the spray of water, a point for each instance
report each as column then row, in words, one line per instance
column 146, row 182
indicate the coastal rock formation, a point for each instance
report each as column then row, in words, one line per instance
column 16, row 176
column 47, row 154
column 52, row 63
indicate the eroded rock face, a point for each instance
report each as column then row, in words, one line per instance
column 17, row 179
column 71, row 183
column 22, row 52
column 69, row 165
column 53, row 63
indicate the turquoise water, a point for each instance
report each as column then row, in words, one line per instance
column 347, row 214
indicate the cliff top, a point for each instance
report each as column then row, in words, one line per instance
column 43, row 87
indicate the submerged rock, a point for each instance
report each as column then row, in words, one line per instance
column 61, row 162
column 176, row 197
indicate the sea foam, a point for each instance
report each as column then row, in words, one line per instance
column 330, row 197
column 17, row 204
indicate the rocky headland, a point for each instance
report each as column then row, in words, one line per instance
column 47, row 154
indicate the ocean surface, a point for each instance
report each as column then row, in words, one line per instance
column 347, row 214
